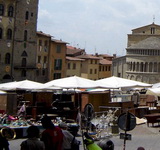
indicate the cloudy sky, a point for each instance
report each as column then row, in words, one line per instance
column 99, row 26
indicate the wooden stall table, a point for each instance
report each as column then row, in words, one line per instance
column 152, row 118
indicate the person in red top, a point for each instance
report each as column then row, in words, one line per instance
column 52, row 136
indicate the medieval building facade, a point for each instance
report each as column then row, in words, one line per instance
column 18, row 26
column 142, row 60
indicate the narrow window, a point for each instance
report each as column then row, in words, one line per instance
column 109, row 68
column 46, row 46
column 7, row 58
column 106, row 68
column 37, row 72
column 45, row 59
column 58, row 64
column 24, row 54
column 74, row 66
column 1, row 33
column 9, row 34
column 1, row 10
column 90, row 71
column 27, row 15
column 69, row 66
column 39, row 59
column 57, row 75
column 58, row 49
column 25, row 35
column 40, row 45
column 95, row 71
column 23, row 73
column 10, row 11
column 150, row 67
column 24, row 62
column 43, row 72
column 152, row 30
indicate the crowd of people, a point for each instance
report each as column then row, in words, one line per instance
column 56, row 138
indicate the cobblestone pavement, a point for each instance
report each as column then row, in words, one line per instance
column 147, row 137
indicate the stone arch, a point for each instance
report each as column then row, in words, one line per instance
column 24, row 54
column 152, row 80
column 7, row 76
column 132, row 77
column 138, row 78
column 145, row 79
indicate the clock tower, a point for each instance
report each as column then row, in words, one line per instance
column 24, row 44
column 18, row 26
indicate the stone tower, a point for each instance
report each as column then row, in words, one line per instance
column 18, row 26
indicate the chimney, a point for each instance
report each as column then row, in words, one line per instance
column 114, row 56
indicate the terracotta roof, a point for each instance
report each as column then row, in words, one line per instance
column 149, row 43
column 43, row 34
column 105, row 62
column 88, row 56
column 74, row 58
column 73, row 50
column 59, row 41
column 105, row 55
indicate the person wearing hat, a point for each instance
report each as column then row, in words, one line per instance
column 52, row 136
column 67, row 137
column 32, row 143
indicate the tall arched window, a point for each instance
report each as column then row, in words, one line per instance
column 1, row 33
column 25, row 35
column 146, row 67
column 27, row 15
column 131, row 67
column 10, row 11
column 155, row 67
column 141, row 67
column 137, row 67
column 134, row 66
column 1, row 9
column 24, row 62
column 9, row 34
column 24, row 54
column 7, row 58
column 150, row 67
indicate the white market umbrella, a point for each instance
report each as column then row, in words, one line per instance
column 156, row 85
column 21, row 85
column 117, row 82
column 153, row 91
column 72, row 82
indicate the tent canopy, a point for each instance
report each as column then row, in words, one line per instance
column 117, row 82
column 153, row 91
column 21, row 85
column 72, row 82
